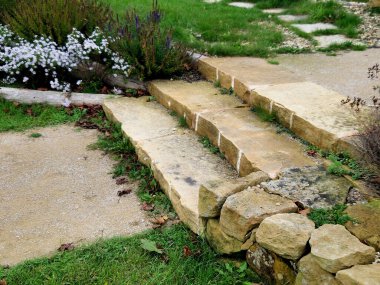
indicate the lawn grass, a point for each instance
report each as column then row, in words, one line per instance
column 186, row 259
column 20, row 117
column 217, row 29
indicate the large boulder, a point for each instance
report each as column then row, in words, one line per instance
column 366, row 223
column 310, row 185
column 213, row 194
column 335, row 248
column 247, row 209
column 310, row 273
column 274, row 269
column 219, row 241
column 285, row 234
column 360, row 275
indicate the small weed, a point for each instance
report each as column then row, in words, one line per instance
column 225, row 91
column 217, row 84
column 273, row 61
column 35, row 135
column 182, row 122
column 208, row 144
column 264, row 115
column 344, row 46
column 334, row 215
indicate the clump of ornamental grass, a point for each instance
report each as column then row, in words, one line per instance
column 55, row 19
column 148, row 47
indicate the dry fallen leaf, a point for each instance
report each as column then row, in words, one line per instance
column 66, row 247
column 304, row 212
column 3, row 282
column 121, row 180
column 124, row 192
column 159, row 220
column 187, row 251
column 147, row 207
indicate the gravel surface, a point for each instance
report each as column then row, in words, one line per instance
column 54, row 191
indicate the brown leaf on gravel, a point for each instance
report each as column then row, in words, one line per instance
column 104, row 90
column 3, row 282
column 312, row 153
column 66, row 247
column 159, row 220
column 16, row 104
column 29, row 112
column 147, row 207
column 124, row 192
column 42, row 89
column 121, row 180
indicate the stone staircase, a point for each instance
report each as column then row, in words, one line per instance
column 199, row 183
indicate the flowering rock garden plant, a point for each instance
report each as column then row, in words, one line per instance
column 54, row 58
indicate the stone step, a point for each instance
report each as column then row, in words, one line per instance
column 179, row 162
column 247, row 142
column 311, row 111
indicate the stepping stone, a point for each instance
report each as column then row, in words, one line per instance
column 245, row 5
column 179, row 162
column 292, row 18
column 247, row 142
column 326, row 41
column 311, row 111
column 311, row 28
column 212, row 1
column 312, row 186
column 274, row 11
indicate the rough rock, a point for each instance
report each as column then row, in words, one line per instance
column 274, row 269
column 250, row 241
column 245, row 210
column 374, row 3
column 220, row 241
column 312, row 186
column 213, row 194
column 310, row 273
column 366, row 223
column 285, row 234
column 360, row 275
column 334, row 248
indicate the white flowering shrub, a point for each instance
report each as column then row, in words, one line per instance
column 42, row 61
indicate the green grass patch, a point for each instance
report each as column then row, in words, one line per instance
column 205, row 141
column 131, row 260
column 35, row 135
column 218, row 28
column 264, row 115
column 335, row 215
column 20, row 117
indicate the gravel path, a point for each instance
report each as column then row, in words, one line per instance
column 54, row 191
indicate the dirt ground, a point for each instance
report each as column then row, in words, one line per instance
column 345, row 73
column 54, row 190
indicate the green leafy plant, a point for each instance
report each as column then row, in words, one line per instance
column 208, row 144
column 264, row 114
column 335, row 215
column 56, row 18
column 35, row 135
column 148, row 47
column 150, row 246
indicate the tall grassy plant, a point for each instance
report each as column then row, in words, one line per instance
column 56, row 18
column 148, row 47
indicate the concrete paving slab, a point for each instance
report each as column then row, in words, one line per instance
column 326, row 41
column 311, row 28
column 179, row 162
column 54, row 190
column 246, row 5
column 292, row 18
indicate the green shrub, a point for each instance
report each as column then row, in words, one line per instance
column 56, row 18
column 148, row 47
column 334, row 215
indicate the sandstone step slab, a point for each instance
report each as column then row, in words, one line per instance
column 311, row 111
column 179, row 162
column 247, row 142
